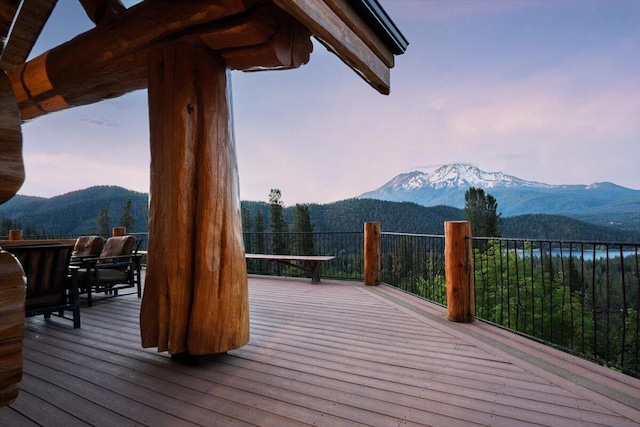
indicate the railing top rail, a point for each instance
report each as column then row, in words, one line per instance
column 303, row 232
column 389, row 233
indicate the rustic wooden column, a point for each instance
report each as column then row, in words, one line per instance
column 11, row 163
column 196, row 294
column 12, row 294
column 372, row 254
column 458, row 258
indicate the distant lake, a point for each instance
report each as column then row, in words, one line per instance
column 587, row 255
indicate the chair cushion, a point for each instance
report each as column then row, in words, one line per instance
column 87, row 246
column 120, row 245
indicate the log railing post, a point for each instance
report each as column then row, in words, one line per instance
column 15, row 234
column 458, row 257
column 372, row 254
column 119, row 231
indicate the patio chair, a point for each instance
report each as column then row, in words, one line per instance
column 52, row 286
column 117, row 268
column 86, row 247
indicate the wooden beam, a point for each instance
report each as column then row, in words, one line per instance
column 99, row 10
column 290, row 47
column 196, row 292
column 110, row 60
column 11, row 163
column 329, row 28
column 32, row 17
column 8, row 9
column 349, row 16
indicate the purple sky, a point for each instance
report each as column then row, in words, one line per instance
column 547, row 91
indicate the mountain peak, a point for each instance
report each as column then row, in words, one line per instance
column 447, row 185
column 456, row 175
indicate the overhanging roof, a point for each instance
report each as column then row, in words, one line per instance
column 382, row 25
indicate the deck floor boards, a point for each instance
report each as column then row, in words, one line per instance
column 332, row 354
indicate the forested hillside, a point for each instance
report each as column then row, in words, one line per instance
column 77, row 212
column 405, row 217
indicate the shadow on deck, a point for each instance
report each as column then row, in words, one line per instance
column 330, row 354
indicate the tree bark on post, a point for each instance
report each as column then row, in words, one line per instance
column 12, row 296
column 458, row 258
column 15, row 234
column 196, row 293
column 372, row 254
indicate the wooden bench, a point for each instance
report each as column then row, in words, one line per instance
column 308, row 263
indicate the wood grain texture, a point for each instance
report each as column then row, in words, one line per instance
column 343, row 9
column 99, row 10
column 337, row 354
column 332, row 31
column 288, row 48
column 458, row 256
column 372, row 254
column 111, row 59
column 11, row 163
column 12, row 296
column 196, row 297
column 32, row 17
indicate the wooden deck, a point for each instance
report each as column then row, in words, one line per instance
column 333, row 354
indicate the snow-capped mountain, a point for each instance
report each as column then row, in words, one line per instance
column 446, row 185
column 455, row 176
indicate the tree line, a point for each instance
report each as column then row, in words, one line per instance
column 76, row 213
column 255, row 232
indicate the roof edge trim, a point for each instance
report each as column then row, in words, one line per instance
column 381, row 23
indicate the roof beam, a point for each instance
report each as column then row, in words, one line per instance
column 111, row 59
column 28, row 25
column 338, row 37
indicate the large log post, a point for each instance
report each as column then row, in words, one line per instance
column 196, row 293
column 372, row 254
column 11, row 163
column 12, row 295
column 458, row 258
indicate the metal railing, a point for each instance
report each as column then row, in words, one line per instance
column 345, row 246
column 414, row 263
column 582, row 297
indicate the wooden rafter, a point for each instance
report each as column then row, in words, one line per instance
column 334, row 33
column 28, row 25
column 111, row 59
column 8, row 9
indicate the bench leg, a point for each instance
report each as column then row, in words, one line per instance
column 315, row 271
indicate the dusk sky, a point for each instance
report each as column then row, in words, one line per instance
column 547, row 90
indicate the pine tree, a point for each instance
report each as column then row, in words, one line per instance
column 303, row 228
column 278, row 224
column 480, row 210
column 102, row 221
column 259, row 228
column 246, row 228
column 126, row 218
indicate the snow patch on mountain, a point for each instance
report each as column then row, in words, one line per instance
column 457, row 176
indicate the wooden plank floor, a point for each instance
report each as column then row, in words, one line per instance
column 332, row 354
